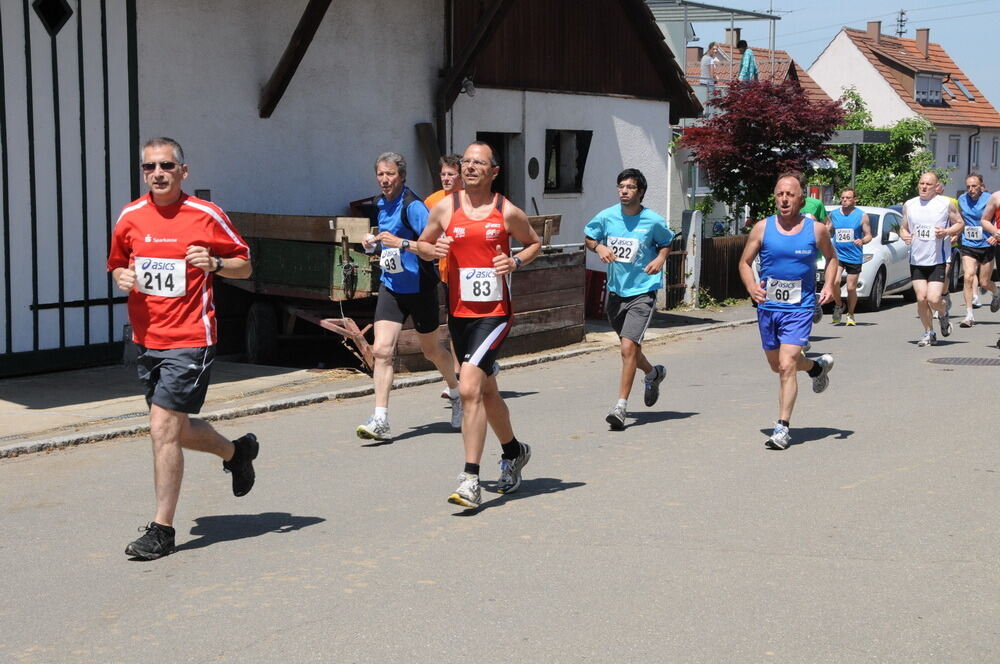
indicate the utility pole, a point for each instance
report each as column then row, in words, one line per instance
column 901, row 23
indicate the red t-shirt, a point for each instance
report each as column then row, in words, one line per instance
column 472, row 291
column 172, row 305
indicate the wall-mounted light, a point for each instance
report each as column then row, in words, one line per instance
column 468, row 87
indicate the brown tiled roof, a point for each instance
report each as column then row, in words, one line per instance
column 895, row 53
column 784, row 68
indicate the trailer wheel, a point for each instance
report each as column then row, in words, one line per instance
column 261, row 332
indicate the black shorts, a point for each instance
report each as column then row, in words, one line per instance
column 478, row 340
column 851, row 268
column 927, row 272
column 981, row 254
column 176, row 378
column 422, row 307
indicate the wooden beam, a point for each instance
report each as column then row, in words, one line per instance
column 448, row 90
column 432, row 154
column 290, row 59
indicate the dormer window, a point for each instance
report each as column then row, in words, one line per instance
column 927, row 89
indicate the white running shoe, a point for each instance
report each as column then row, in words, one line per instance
column 467, row 494
column 780, row 439
column 456, row 413
column 377, row 428
column 616, row 417
column 510, row 470
column 929, row 339
column 821, row 381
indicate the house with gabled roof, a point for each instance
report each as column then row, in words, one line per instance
column 901, row 77
column 282, row 108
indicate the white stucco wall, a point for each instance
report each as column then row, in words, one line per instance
column 628, row 133
column 841, row 65
column 202, row 66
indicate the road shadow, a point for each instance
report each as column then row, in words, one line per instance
column 513, row 394
column 529, row 488
column 231, row 527
column 812, row 435
column 813, row 338
column 652, row 417
column 940, row 342
column 415, row 432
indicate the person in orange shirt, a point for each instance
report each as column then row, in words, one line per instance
column 451, row 181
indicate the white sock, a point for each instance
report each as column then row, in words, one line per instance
column 452, row 392
column 382, row 413
column 623, row 403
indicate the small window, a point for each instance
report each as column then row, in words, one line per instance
column 954, row 149
column 995, row 160
column 975, row 151
column 565, row 159
column 944, row 86
column 963, row 89
column 933, row 149
column 927, row 90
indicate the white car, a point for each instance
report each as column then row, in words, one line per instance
column 885, row 267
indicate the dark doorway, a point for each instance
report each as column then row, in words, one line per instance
column 500, row 143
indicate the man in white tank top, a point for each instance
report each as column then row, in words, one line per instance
column 929, row 223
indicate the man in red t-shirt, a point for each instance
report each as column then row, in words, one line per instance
column 165, row 250
column 473, row 229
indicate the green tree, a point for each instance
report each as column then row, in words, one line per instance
column 759, row 130
column 887, row 173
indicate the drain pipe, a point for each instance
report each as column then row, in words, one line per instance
column 969, row 169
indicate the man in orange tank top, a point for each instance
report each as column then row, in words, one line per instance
column 472, row 229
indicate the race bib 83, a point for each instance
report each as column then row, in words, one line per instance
column 480, row 284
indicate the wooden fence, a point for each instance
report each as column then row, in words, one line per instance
column 720, row 274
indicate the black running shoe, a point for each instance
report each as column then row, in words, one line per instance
column 241, row 465
column 157, row 542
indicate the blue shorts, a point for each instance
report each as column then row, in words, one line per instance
column 784, row 327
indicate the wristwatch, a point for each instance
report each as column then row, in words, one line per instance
column 218, row 263
column 517, row 262
column 404, row 245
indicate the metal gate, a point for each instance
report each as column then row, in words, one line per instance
column 68, row 135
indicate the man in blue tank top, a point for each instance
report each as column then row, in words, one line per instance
column 850, row 231
column 977, row 253
column 786, row 295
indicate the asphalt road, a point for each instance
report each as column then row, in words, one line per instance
column 681, row 539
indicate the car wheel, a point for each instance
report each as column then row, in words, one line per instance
column 957, row 281
column 878, row 290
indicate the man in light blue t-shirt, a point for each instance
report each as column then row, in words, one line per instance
column 634, row 242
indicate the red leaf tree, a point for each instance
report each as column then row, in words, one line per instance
column 760, row 129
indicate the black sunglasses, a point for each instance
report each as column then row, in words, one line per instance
column 150, row 166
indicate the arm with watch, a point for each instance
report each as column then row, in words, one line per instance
column 234, row 268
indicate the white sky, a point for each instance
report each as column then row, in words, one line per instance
column 968, row 30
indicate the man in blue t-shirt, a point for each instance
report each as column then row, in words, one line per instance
column 634, row 242
column 850, row 231
column 408, row 288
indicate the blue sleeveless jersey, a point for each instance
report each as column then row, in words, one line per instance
column 972, row 214
column 789, row 257
column 848, row 252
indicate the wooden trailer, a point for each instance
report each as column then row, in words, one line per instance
column 314, row 269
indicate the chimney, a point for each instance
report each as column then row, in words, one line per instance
column 694, row 54
column 733, row 36
column 875, row 30
column 923, row 41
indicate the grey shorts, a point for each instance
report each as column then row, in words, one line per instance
column 630, row 316
column 176, row 378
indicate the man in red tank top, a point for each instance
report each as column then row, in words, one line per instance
column 472, row 228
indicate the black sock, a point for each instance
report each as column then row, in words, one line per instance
column 816, row 370
column 471, row 469
column 511, row 450
column 783, row 423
